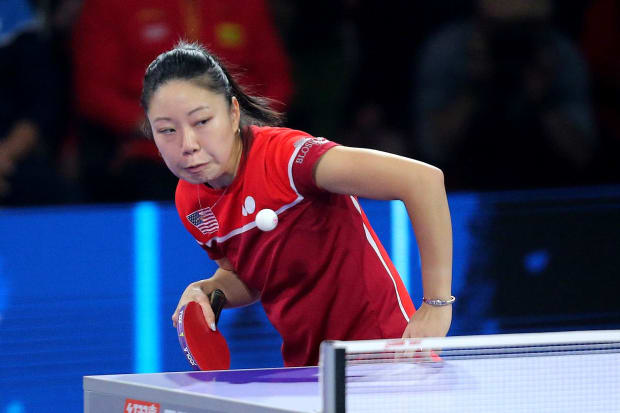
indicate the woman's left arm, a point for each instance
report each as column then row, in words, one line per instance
column 378, row 175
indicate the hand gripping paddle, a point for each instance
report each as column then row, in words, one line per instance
column 204, row 348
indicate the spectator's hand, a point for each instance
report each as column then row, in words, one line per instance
column 429, row 321
column 7, row 167
column 20, row 141
column 7, row 163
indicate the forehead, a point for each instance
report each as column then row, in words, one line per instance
column 182, row 94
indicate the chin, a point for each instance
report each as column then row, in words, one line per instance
column 193, row 179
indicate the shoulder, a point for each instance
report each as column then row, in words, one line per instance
column 275, row 134
column 275, row 142
column 184, row 196
column 285, row 157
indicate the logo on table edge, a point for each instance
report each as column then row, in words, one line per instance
column 140, row 406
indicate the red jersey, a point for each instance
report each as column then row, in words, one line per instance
column 322, row 272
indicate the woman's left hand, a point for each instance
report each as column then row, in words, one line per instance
column 429, row 321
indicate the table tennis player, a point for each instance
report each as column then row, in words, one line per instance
column 321, row 272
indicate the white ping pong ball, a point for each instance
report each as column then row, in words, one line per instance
column 266, row 220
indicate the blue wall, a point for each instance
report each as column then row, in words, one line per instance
column 90, row 290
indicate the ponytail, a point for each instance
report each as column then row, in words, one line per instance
column 193, row 62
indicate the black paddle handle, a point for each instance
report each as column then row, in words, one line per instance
column 218, row 301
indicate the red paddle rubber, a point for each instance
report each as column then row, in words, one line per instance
column 204, row 348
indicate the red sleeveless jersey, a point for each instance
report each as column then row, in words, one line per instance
column 322, row 272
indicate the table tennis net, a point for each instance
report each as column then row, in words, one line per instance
column 542, row 372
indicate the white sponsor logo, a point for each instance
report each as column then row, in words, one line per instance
column 189, row 356
column 249, row 206
column 301, row 155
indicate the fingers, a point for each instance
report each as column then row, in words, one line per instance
column 429, row 321
column 422, row 355
column 194, row 293
column 207, row 311
column 409, row 333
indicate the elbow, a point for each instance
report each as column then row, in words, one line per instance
column 435, row 176
column 439, row 180
column 429, row 179
column 438, row 174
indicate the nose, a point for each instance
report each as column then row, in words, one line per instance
column 190, row 142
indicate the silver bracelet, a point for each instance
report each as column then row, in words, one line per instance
column 438, row 302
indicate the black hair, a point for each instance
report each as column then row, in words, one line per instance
column 193, row 62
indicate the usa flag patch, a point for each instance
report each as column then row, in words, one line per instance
column 204, row 220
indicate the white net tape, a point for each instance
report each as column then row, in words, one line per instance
column 544, row 372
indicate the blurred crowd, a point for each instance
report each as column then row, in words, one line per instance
column 500, row 94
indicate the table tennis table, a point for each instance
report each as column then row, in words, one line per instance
column 565, row 383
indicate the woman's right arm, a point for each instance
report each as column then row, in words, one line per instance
column 236, row 292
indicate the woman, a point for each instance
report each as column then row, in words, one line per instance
column 321, row 273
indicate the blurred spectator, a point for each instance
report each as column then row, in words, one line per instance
column 60, row 16
column 115, row 40
column 322, row 59
column 379, row 116
column 601, row 45
column 343, row 96
column 30, row 91
column 502, row 101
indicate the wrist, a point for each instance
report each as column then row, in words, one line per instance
column 206, row 286
column 21, row 139
column 439, row 301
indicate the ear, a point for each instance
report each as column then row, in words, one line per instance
column 235, row 113
column 144, row 126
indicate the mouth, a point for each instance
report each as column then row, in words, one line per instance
column 192, row 169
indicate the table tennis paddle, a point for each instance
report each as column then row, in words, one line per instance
column 415, row 355
column 428, row 356
column 204, row 348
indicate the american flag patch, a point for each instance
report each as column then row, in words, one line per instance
column 204, row 220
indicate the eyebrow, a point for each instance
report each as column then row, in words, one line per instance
column 197, row 109
column 188, row 113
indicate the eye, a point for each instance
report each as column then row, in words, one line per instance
column 202, row 122
column 166, row 131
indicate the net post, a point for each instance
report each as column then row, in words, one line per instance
column 332, row 378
